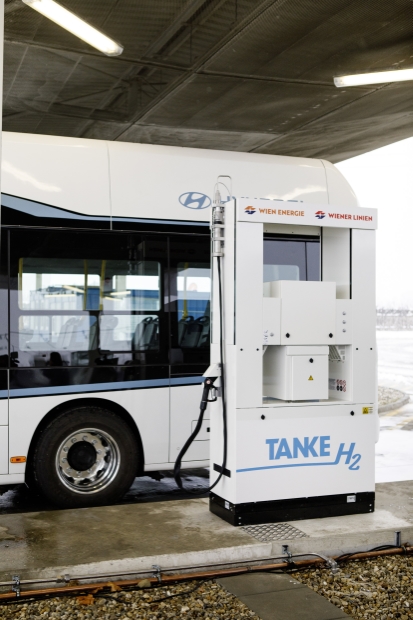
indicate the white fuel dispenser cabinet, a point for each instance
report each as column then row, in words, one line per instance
column 299, row 353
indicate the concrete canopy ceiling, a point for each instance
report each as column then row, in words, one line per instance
column 243, row 75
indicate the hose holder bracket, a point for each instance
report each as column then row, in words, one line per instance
column 16, row 587
column 286, row 551
column 157, row 572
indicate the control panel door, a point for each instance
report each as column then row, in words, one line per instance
column 308, row 312
column 309, row 379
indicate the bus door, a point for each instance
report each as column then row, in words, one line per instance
column 189, row 313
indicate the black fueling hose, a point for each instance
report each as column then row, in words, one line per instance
column 208, row 386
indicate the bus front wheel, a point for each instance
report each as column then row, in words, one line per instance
column 87, row 456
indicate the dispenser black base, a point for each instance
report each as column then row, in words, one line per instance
column 255, row 513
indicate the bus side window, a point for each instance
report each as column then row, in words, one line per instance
column 189, row 307
column 57, row 299
column 131, row 302
column 87, row 299
column 194, row 291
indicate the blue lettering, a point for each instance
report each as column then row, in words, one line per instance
column 356, row 458
column 324, row 446
column 298, row 446
column 311, row 445
column 271, row 443
column 347, row 453
column 283, row 450
column 306, row 448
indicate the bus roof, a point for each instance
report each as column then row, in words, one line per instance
column 118, row 179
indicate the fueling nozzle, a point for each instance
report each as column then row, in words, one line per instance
column 208, row 387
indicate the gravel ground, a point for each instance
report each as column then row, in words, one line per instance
column 376, row 589
column 389, row 395
column 209, row 601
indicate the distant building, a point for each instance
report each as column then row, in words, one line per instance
column 396, row 319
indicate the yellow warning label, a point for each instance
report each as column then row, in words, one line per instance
column 310, row 378
column 367, row 409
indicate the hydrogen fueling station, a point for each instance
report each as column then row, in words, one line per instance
column 293, row 293
column 205, row 403
column 299, row 362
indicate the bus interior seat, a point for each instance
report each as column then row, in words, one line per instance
column 25, row 335
column 205, row 336
column 193, row 333
column 145, row 337
column 66, row 332
column 78, row 334
column 108, row 324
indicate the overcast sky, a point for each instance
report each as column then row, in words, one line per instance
column 384, row 179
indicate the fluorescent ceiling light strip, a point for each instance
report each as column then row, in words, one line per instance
column 380, row 77
column 71, row 22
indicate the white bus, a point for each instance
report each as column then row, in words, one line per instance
column 104, row 301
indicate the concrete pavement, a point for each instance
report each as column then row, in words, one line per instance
column 116, row 539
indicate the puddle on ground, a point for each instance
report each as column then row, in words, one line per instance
column 144, row 489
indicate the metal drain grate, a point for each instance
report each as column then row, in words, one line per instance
column 273, row 531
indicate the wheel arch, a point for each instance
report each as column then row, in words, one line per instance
column 104, row 403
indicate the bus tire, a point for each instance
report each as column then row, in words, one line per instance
column 87, row 456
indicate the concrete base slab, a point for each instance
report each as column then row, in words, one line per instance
column 280, row 597
column 179, row 535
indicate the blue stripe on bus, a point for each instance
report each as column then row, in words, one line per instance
column 186, row 380
column 147, row 221
column 4, row 393
column 38, row 209
column 102, row 387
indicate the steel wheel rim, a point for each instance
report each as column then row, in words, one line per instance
column 101, row 474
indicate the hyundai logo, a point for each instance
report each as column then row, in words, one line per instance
column 195, row 200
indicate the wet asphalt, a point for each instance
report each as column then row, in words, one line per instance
column 144, row 489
